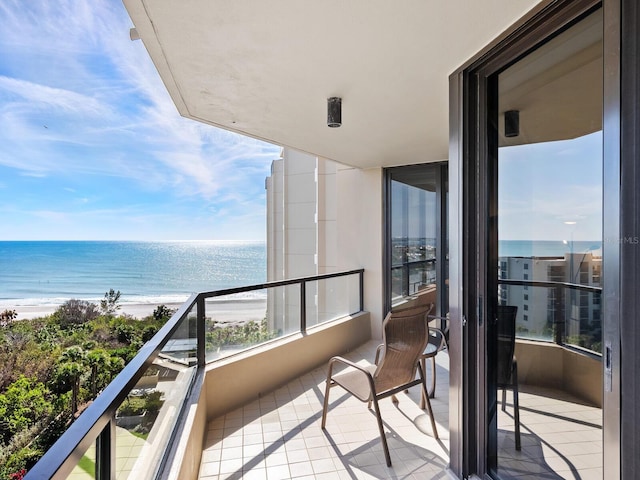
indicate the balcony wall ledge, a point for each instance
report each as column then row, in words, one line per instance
column 546, row 364
column 244, row 377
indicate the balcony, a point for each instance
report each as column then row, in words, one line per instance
column 255, row 412
column 279, row 436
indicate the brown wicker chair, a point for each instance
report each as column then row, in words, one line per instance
column 405, row 338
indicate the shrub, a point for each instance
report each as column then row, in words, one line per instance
column 75, row 312
column 162, row 313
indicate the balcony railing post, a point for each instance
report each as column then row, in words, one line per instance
column 303, row 307
column 200, row 332
column 106, row 452
column 558, row 316
column 361, row 286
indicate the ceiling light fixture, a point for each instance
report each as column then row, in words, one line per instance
column 334, row 112
column 511, row 123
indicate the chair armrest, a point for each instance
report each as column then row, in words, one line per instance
column 349, row 363
column 359, row 368
column 378, row 350
column 441, row 338
column 442, row 332
column 436, row 317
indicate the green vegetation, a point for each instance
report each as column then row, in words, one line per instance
column 247, row 334
column 52, row 367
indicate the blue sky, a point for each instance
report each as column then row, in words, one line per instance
column 552, row 190
column 91, row 146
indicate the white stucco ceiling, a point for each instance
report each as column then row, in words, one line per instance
column 266, row 68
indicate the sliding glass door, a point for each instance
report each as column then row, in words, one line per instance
column 534, row 345
column 544, row 342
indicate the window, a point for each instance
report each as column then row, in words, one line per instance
column 416, row 258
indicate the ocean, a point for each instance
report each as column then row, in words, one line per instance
column 48, row 273
column 44, row 273
column 546, row 248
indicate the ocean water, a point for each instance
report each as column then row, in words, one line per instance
column 546, row 248
column 37, row 273
column 45, row 273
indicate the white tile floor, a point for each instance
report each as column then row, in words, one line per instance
column 279, row 436
column 561, row 438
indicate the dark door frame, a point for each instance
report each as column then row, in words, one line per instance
column 471, row 208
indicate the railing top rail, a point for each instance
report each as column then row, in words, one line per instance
column 278, row 283
column 412, row 262
column 550, row 284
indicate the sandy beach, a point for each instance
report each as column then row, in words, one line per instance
column 224, row 311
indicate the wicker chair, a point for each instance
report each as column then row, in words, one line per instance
column 405, row 338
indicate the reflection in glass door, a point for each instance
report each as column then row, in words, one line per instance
column 545, row 341
column 416, row 234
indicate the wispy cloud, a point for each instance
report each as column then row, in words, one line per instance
column 78, row 98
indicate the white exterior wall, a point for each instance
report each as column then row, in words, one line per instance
column 325, row 218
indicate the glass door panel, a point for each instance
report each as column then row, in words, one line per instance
column 545, row 342
column 417, row 213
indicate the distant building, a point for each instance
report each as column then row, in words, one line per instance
column 301, row 235
column 537, row 306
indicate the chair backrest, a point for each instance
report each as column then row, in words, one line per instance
column 506, row 325
column 405, row 336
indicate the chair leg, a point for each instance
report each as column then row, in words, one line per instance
column 516, row 405
column 504, row 399
column 423, row 395
column 432, row 394
column 383, row 437
column 325, row 406
column 425, row 399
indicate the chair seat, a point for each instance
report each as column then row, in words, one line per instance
column 356, row 382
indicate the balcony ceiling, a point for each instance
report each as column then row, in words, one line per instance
column 265, row 69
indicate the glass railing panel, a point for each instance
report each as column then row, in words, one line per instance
column 332, row 298
column 583, row 326
column 537, row 306
column 147, row 416
column 238, row 321
column 562, row 313
column 398, row 290
column 421, row 274
column 86, row 467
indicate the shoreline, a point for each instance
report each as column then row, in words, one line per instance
column 225, row 311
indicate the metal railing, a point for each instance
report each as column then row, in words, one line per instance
column 402, row 273
column 96, row 426
column 557, row 308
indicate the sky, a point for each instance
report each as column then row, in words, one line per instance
column 551, row 190
column 93, row 148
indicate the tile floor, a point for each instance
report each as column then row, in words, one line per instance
column 561, row 438
column 279, row 437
